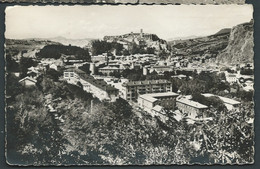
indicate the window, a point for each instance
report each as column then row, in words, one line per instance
column 66, row 74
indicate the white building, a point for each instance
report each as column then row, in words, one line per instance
column 191, row 108
column 28, row 81
column 231, row 78
column 230, row 104
column 98, row 87
column 53, row 66
column 149, row 101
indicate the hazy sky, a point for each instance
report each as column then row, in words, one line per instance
column 96, row 21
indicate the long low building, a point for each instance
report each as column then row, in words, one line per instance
column 191, row 108
column 98, row 87
column 109, row 69
column 230, row 104
column 131, row 90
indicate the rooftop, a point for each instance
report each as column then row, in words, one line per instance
column 109, row 68
column 100, row 83
column 148, row 98
column 192, row 103
column 78, row 71
column 224, row 99
column 165, row 94
column 152, row 97
column 157, row 108
column 146, row 82
column 28, row 78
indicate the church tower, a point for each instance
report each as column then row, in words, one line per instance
column 141, row 33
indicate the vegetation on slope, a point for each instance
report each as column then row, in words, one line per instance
column 56, row 51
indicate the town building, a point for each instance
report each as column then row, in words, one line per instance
column 53, row 66
column 131, row 90
column 166, row 100
column 159, row 112
column 28, row 81
column 99, row 58
column 248, row 85
column 230, row 104
column 98, row 87
column 161, row 68
column 191, row 108
column 109, row 69
column 231, row 78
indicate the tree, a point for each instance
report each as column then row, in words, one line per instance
column 53, row 74
column 55, row 51
column 25, row 63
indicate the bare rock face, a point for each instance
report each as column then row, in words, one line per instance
column 240, row 45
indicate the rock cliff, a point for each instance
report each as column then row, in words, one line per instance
column 240, row 45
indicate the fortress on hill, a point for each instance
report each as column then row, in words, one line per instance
column 133, row 36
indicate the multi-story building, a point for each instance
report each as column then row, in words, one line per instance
column 191, row 108
column 98, row 87
column 166, row 100
column 131, row 90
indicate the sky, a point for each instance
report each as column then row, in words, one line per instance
column 97, row 21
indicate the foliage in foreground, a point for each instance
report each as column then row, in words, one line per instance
column 113, row 133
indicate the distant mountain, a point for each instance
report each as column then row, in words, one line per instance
column 182, row 38
column 240, row 45
column 73, row 42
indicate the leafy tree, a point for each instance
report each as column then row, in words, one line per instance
column 11, row 64
column 99, row 47
column 13, row 87
column 25, row 63
column 53, row 74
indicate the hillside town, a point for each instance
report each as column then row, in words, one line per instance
column 104, row 79
column 159, row 82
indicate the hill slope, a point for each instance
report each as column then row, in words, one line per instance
column 240, row 45
column 197, row 47
column 25, row 47
column 143, row 40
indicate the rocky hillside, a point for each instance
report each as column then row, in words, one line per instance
column 203, row 46
column 226, row 46
column 240, row 45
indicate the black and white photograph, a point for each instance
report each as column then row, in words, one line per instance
column 150, row 2
column 129, row 85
